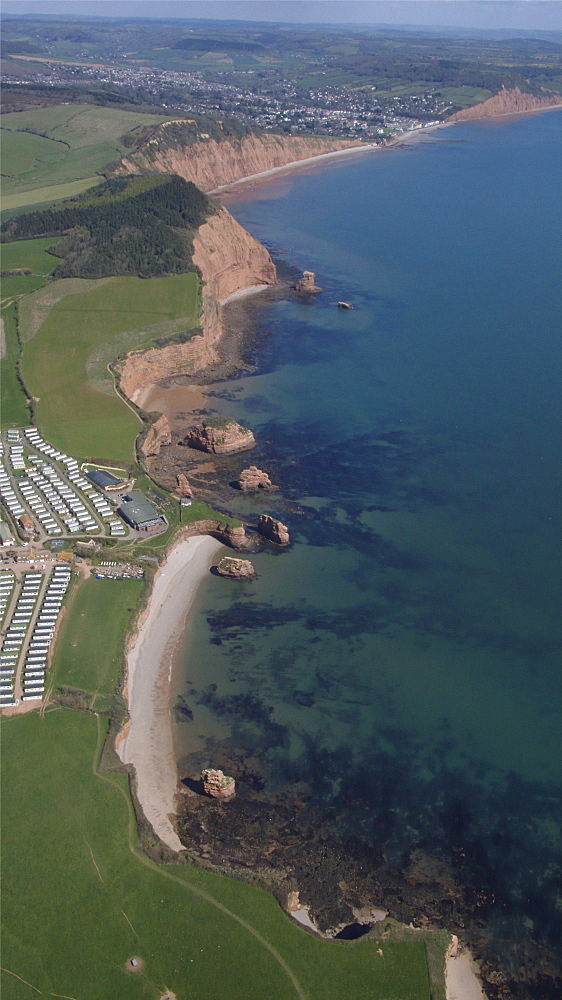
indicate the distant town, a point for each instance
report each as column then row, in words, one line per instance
column 292, row 109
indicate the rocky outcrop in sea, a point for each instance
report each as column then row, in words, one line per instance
column 219, row 436
column 252, row 478
column 273, row 530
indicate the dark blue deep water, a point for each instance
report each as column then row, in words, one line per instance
column 402, row 658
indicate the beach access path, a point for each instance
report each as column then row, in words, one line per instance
column 147, row 740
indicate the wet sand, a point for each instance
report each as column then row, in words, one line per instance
column 147, row 741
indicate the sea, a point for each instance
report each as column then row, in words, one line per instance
column 399, row 663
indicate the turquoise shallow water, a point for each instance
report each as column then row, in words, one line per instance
column 412, row 629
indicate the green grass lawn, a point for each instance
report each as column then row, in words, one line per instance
column 78, row 409
column 88, row 654
column 13, row 400
column 79, row 900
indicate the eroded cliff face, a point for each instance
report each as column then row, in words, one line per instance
column 211, row 164
column 508, row 102
column 229, row 260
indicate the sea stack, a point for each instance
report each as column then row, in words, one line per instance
column 217, row 785
column 273, row 530
column 219, row 436
column 183, row 489
column 236, row 569
column 254, row 479
column 307, row 283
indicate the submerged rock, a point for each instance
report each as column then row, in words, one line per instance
column 219, row 436
column 236, row 569
column 216, row 784
column 274, row 530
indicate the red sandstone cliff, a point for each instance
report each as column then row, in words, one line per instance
column 211, row 164
column 508, row 102
column 229, row 260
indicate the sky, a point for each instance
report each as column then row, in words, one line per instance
column 521, row 14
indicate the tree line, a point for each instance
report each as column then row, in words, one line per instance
column 127, row 225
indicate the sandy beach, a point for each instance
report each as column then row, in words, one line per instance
column 147, row 742
column 295, row 164
column 462, row 980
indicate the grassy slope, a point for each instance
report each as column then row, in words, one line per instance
column 73, row 142
column 13, row 406
column 78, row 409
column 20, row 254
column 26, row 254
column 78, row 902
column 43, row 197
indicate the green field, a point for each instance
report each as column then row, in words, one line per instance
column 79, row 900
column 89, row 657
column 30, row 255
column 13, row 400
column 87, row 327
column 43, row 197
column 465, row 97
column 46, row 151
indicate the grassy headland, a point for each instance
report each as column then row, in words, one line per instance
column 81, row 332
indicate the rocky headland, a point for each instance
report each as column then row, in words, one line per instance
column 229, row 260
column 226, row 532
column 508, row 102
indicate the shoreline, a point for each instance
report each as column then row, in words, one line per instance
column 463, row 982
column 405, row 136
column 146, row 741
column 294, row 165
